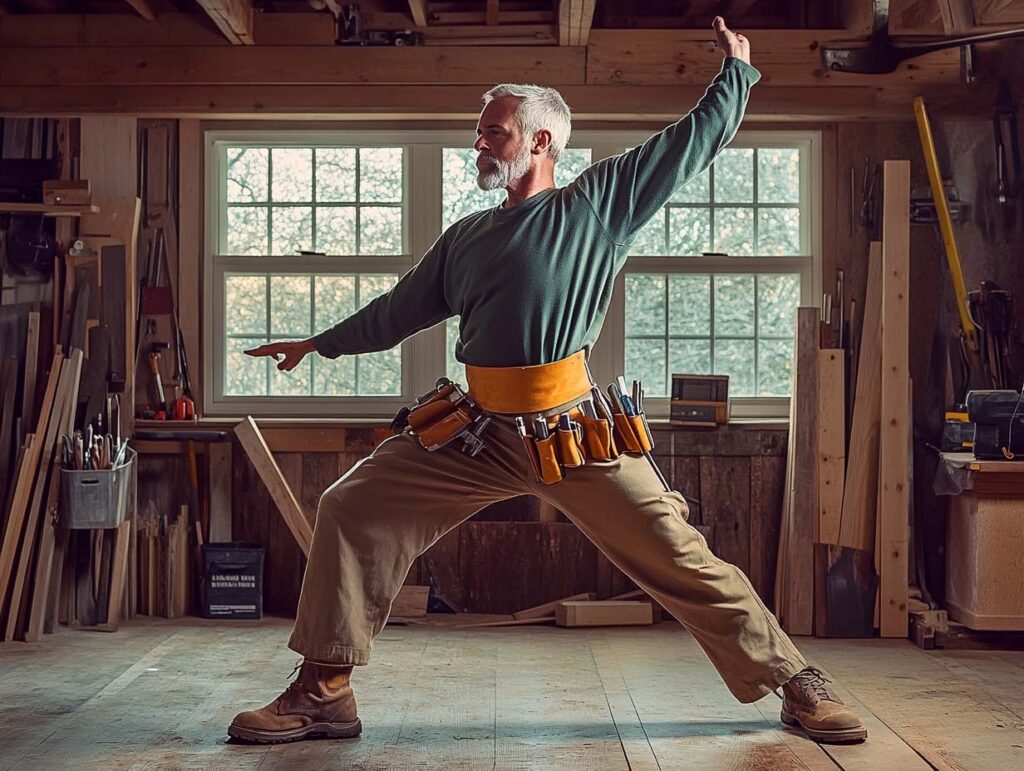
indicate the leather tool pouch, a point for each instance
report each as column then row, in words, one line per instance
column 438, row 420
column 591, row 439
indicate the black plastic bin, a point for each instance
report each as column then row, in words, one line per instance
column 232, row 580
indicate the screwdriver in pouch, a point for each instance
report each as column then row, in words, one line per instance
column 540, row 428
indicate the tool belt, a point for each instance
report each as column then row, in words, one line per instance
column 441, row 416
column 595, row 428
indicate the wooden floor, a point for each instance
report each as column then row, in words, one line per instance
column 159, row 694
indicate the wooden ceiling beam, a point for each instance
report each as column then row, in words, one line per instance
column 575, row 18
column 613, row 57
column 233, row 18
column 284, row 65
column 143, row 9
column 435, row 102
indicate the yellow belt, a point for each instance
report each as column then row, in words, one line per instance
column 521, row 390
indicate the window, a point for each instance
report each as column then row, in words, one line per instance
column 712, row 283
column 304, row 228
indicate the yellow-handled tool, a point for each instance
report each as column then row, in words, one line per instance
column 931, row 162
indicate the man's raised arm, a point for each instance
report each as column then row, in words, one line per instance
column 627, row 190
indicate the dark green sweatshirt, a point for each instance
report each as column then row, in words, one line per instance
column 531, row 283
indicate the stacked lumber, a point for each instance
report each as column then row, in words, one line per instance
column 164, row 567
column 26, row 552
column 842, row 567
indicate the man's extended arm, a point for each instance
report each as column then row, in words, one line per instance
column 416, row 302
column 627, row 190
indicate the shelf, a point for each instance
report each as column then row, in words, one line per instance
column 49, row 211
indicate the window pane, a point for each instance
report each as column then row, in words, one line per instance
column 380, row 174
column 334, row 377
column 734, row 231
column 774, row 367
column 645, row 360
column 245, row 298
column 247, row 171
column 689, row 299
column 454, row 369
column 777, row 299
column 336, row 174
column 335, row 300
column 689, row 231
column 244, row 375
column 298, row 382
column 734, row 176
column 460, row 195
column 735, row 358
column 734, row 306
column 290, row 306
column 380, row 372
column 336, row 229
column 645, row 304
column 778, row 231
column 778, row 175
column 650, row 241
column 571, row 164
column 689, row 357
column 292, row 229
column 247, row 230
column 292, row 174
column 380, row 230
column 697, row 190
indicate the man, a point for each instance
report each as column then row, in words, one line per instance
column 531, row 281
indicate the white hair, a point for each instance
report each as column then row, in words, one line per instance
column 539, row 108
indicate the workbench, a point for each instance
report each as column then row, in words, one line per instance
column 984, row 541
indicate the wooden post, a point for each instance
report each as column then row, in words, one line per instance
column 895, row 383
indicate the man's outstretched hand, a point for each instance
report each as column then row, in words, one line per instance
column 293, row 351
column 730, row 42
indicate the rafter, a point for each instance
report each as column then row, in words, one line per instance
column 418, row 9
column 574, row 20
column 233, row 18
column 142, row 8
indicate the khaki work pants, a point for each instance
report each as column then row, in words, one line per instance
column 393, row 504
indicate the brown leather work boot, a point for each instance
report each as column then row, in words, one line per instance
column 808, row 703
column 318, row 703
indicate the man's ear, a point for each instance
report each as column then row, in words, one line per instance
column 541, row 142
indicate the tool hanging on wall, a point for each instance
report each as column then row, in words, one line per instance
column 975, row 369
column 1008, row 162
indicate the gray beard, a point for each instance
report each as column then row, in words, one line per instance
column 504, row 174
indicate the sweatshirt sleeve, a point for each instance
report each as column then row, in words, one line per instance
column 416, row 302
column 627, row 190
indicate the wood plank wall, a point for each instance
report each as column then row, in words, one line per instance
column 505, row 558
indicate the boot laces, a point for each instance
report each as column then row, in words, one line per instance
column 296, row 683
column 813, row 680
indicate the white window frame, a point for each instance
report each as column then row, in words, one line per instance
column 423, row 354
column 807, row 266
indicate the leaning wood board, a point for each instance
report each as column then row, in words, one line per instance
column 802, row 526
column 23, row 486
column 831, row 443
column 255, row 447
column 47, row 460
column 893, row 468
column 857, row 525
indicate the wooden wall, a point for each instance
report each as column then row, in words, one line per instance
column 514, row 554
